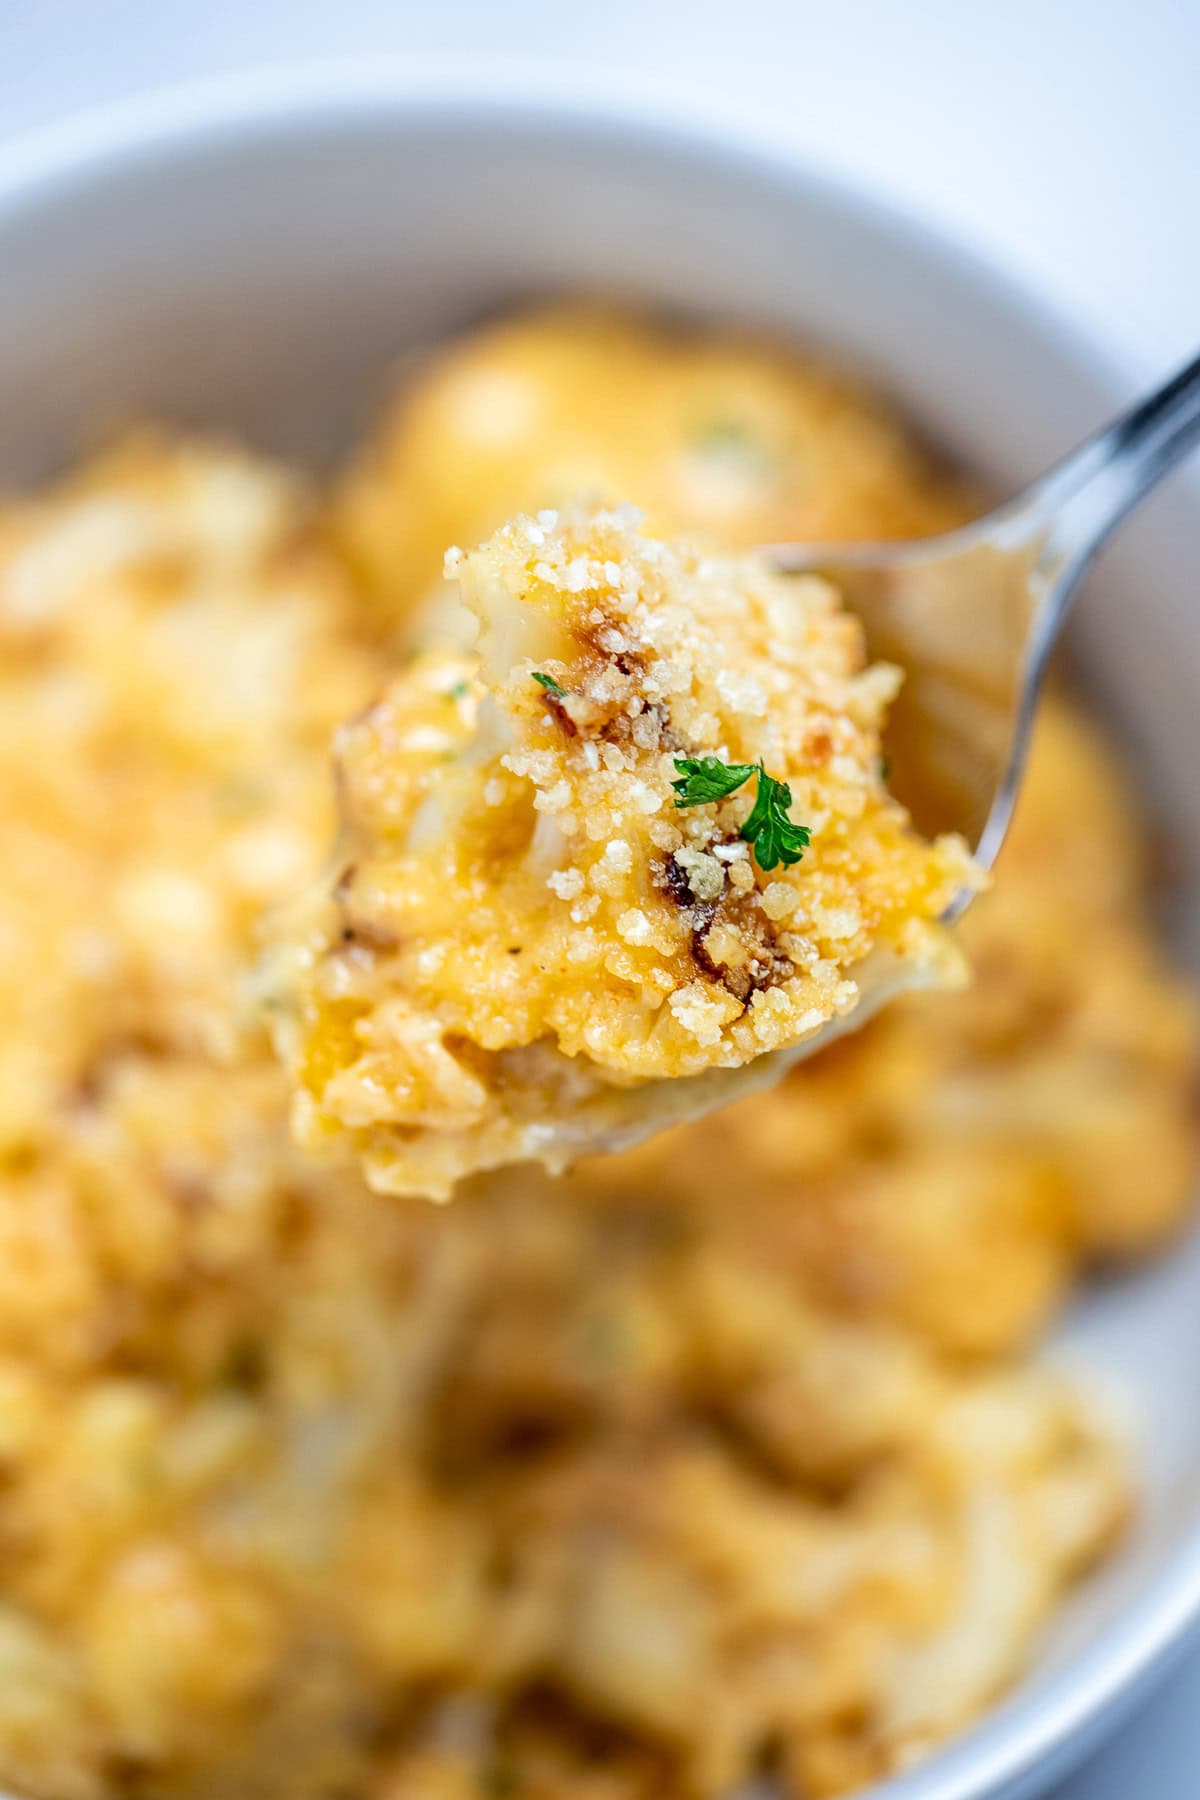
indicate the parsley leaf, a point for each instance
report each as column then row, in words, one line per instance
column 776, row 838
column 706, row 778
column 551, row 686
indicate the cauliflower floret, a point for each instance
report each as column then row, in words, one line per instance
column 632, row 853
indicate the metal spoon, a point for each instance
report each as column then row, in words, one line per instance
column 972, row 615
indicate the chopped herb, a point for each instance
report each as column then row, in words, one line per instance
column 885, row 768
column 776, row 838
column 551, row 686
column 707, row 778
column 459, row 691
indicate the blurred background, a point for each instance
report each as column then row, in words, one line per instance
column 1061, row 137
column 1062, row 134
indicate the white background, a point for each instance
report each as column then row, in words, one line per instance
column 1061, row 136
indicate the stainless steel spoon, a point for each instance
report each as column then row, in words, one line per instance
column 971, row 616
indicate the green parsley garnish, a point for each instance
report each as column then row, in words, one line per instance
column 776, row 838
column 885, row 768
column 551, row 686
column 705, row 778
column 459, row 691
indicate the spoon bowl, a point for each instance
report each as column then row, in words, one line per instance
column 971, row 616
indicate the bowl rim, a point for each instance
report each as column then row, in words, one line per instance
column 1028, row 1737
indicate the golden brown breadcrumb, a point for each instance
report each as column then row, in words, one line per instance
column 529, row 948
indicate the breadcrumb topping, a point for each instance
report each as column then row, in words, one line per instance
column 609, row 950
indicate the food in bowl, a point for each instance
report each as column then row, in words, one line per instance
column 570, row 906
column 732, row 1460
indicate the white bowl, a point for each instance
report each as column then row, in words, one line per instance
column 253, row 255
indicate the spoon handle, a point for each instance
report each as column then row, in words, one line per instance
column 1081, row 501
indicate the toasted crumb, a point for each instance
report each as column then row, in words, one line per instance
column 605, row 660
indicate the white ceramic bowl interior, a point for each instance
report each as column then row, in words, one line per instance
column 254, row 257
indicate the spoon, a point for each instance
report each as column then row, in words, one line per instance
column 972, row 615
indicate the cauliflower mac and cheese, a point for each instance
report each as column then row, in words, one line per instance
column 729, row 1462
column 574, row 903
